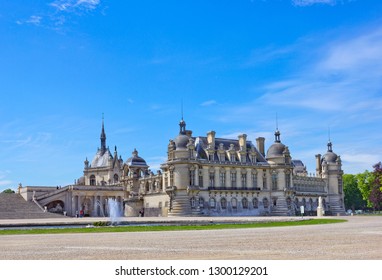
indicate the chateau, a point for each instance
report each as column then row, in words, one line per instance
column 202, row 176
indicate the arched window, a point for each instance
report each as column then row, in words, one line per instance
column 255, row 203
column 201, row 202
column 265, row 202
column 212, row 202
column 234, row 203
column 116, row 178
column 147, row 187
column 193, row 202
column 92, row 180
column 244, row 201
column 304, row 202
column 274, row 181
column 223, row 203
column 310, row 204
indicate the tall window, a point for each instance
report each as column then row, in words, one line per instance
column 265, row 180
column 287, row 180
column 92, row 180
column 192, row 177
column 244, row 202
column 201, row 202
column 233, row 180
column 255, row 203
column 274, row 181
column 223, row 203
column 254, row 180
column 212, row 179
column 244, row 180
column 265, row 202
column 222, row 178
column 193, row 202
column 201, row 178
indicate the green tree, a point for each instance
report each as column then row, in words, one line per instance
column 353, row 195
column 365, row 181
column 375, row 196
column 8, row 191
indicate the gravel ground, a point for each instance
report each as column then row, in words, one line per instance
column 358, row 239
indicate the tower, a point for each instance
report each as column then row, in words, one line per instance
column 331, row 172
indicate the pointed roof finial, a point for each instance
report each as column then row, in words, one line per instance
column 103, row 136
column 277, row 122
column 181, row 107
column 277, row 132
column 330, row 145
column 182, row 123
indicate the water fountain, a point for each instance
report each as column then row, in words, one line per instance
column 114, row 210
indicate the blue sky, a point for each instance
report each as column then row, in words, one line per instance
column 236, row 64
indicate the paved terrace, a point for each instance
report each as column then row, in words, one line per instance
column 358, row 239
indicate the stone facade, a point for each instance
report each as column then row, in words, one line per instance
column 203, row 176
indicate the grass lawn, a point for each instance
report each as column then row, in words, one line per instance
column 136, row 228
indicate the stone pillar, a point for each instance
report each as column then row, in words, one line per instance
column 73, row 210
column 228, row 182
column 79, row 203
column 196, row 179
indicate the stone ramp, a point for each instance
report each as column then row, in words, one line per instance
column 13, row 206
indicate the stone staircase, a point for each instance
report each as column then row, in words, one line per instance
column 13, row 206
column 281, row 209
column 180, row 205
column 337, row 210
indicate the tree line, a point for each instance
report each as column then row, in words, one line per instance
column 364, row 190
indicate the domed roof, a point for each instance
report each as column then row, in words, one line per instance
column 330, row 156
column 136, row 160
column 181, row 141
column 277, row 148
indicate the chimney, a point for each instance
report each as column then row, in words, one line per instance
column 243, row 142
column 211, row 139
column 318, row 164
column 260, row 145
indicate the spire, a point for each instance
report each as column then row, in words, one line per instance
column 277, row 132
column 330, row 146
column 103, row 136
column 182, row 123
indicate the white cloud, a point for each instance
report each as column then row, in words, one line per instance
column 208, row 103
column 73, row 5
column 304, row 3
column 341, row 75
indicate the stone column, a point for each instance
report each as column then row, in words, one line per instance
column 196, row 176
column 228, row 182
column 73, row 210
column 79, row 203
